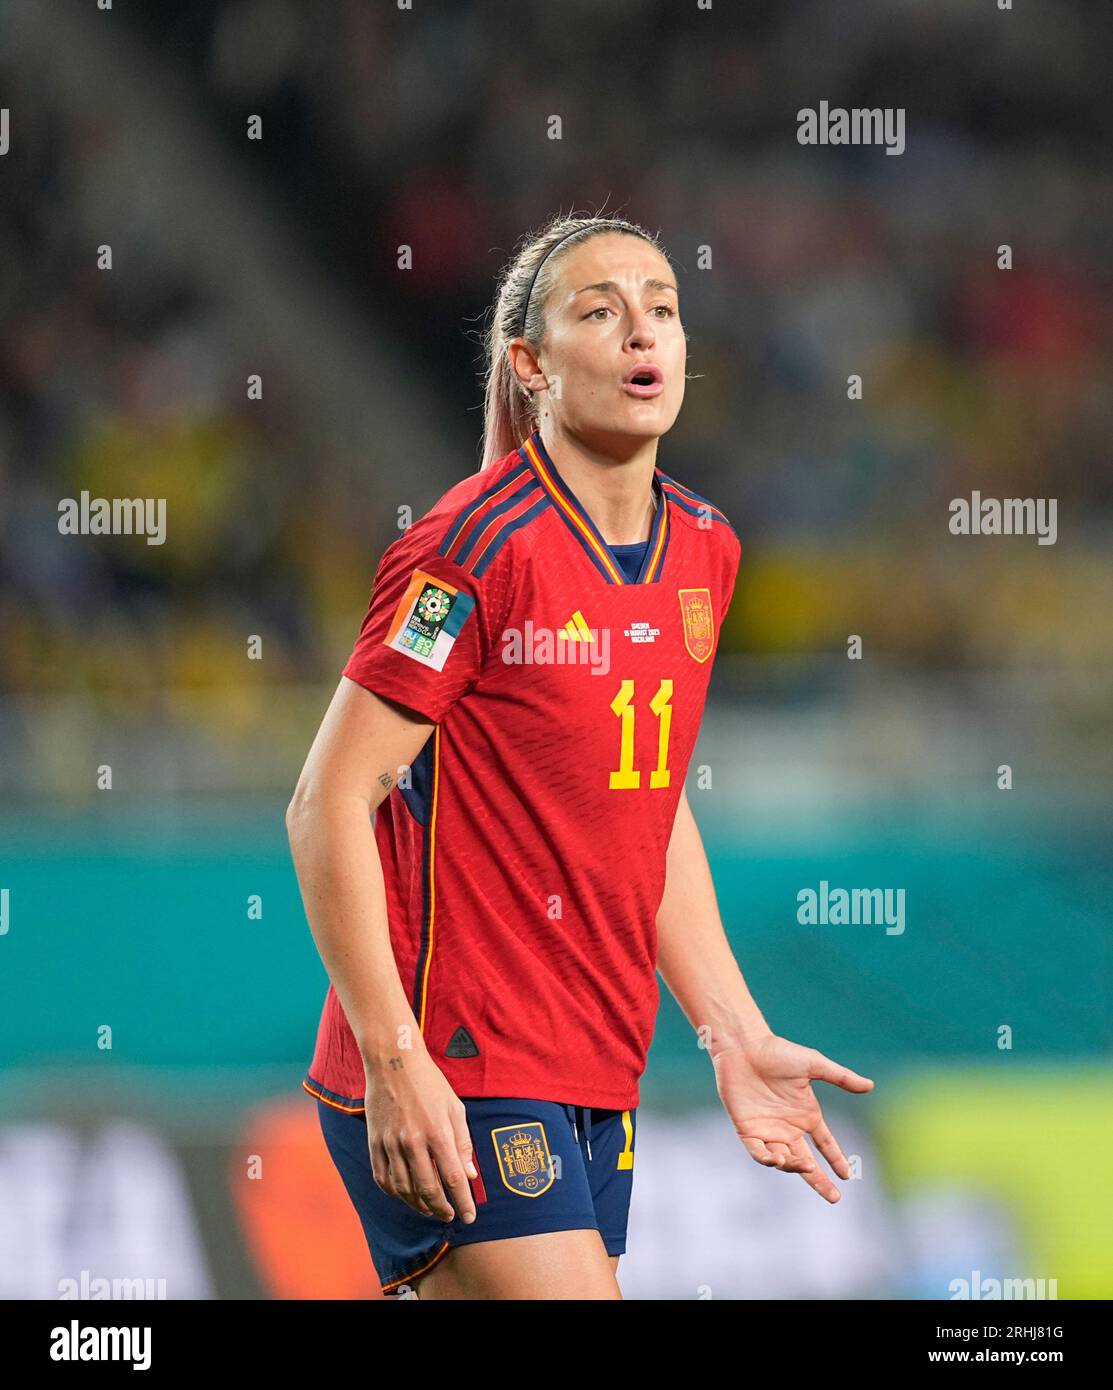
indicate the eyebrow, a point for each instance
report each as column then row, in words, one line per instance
column 649, row 284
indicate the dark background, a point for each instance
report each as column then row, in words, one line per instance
column 427, row 128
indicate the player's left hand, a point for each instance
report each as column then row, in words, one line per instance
column 765, row 1087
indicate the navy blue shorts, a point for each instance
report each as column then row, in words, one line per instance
column 542, row 1167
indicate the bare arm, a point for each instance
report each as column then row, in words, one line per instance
column 413, row 1118
column 693, row 954
column 764, row 1081
column 354, row 762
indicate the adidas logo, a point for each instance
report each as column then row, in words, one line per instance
column 574, row 644
column 461, row 1044
column 576, row 629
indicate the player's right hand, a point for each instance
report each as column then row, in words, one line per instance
column 417, row 1134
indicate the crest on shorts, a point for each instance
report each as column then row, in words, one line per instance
column 525, row 1164
column 699, row 622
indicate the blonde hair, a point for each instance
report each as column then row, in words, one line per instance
column 510, row 412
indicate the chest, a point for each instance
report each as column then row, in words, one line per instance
column 608, row 680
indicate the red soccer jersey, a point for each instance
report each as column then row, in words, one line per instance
column 525, row 861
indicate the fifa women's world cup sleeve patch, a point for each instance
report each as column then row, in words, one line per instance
column 421, row 643
column 428, row 620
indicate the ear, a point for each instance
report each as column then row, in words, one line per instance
column 524, row 364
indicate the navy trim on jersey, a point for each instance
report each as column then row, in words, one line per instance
column 416, row 795
column 508, row 530
column 426, row 893
column 660, row 519
column 692, row 503
column 466, row 513
column 529, row 485
column 334, row 1098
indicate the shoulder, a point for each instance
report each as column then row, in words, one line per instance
column 702, row 515
column 690, row 504
column 476, row 526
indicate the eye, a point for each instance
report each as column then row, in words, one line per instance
column 669, row 310
column 602, row 309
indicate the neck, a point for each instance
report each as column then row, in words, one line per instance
column 616, row 490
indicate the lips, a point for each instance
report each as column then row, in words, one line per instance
column 646, row 379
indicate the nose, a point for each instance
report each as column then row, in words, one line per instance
column 642, row 331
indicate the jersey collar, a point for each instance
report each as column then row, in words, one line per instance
column 575, row 517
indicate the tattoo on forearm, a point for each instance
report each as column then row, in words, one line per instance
column 386, row 780
column 395, row 1064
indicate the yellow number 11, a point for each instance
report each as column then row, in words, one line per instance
column 622, row 705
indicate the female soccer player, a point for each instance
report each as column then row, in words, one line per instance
column 519, row 712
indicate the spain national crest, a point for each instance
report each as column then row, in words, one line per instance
column 525, row 1164
column 699, row 622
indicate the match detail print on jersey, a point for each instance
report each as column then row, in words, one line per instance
column 428, row 620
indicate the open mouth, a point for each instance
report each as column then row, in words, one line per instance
column 645, row 380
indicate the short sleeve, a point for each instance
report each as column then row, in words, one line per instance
column 422, row 642
column 733, row 561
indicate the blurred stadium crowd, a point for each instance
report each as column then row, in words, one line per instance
column 384, row 127
column 230, row 257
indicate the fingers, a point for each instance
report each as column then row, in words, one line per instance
column 432, row 1176
column 803, row 1160
column 791, row 1157
column 819, row 1182
column 392, row 1175
column 427, row 1186
column 453, row 1159
column 463, row 1141
column 828, row 1146
column 758, row 1151
column 795, row 1157
column 776, row 1153
column 412, row 1177
column 822, row 1068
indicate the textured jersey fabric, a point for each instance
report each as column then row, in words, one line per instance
column 524, row 856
